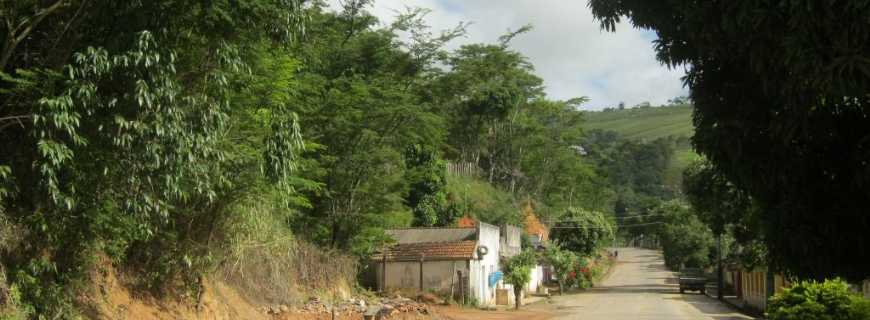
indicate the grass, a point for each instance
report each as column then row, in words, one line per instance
column 483, row 200
column 649, row 124
column 644, row 123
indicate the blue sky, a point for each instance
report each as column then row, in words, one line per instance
column 569, row 50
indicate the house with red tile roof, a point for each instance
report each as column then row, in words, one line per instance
column 462, row 262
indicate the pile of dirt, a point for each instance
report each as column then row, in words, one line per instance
column 383, row 308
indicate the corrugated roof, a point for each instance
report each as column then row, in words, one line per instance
column 429, row 251
column 421, row 235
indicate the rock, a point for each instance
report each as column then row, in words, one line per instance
column 429, row 298
column 387, row 312
column 283, row 308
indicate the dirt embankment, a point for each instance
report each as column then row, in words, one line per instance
column 109, row 298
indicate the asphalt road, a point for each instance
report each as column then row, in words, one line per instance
column 640, row 287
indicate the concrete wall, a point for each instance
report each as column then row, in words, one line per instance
column 537, row 279
column 438, row 276
column 511, row 241
column 481, row 268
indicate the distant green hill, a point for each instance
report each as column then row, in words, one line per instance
column 649, row 124
column 644, row 123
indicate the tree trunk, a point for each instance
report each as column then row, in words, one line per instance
column 719, row 272
column 518, row 293
column 561, row 287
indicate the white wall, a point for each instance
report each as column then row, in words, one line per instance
column 536, row 280
column 481, row 268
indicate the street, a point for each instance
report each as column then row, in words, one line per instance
column 640, row 287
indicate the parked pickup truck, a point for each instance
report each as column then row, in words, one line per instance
column 692, row 279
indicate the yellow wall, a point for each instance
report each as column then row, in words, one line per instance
column 755, row 287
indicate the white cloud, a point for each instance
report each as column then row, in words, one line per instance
column 569, row 50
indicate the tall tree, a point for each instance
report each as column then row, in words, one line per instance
column 780, row 92
column 361, row 106
column 113, row 119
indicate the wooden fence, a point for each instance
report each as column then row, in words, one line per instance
column 467, row 169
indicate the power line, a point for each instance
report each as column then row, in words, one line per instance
column 621, row 217
column 640, row 215
column 598, row 227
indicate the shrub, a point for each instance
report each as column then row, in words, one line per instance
column 562, row 261
column 517, row 272
column 829, row 300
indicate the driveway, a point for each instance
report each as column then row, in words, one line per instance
column 640, row 287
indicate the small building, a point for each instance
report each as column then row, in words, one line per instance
column 458, row 262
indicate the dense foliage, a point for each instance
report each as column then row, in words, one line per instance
column 583, row 232
column 829, row 300
column 780, row 93
column 685, row 240
column 181, row 137
column 562, row 261
column 635, row 170
column 118, row 133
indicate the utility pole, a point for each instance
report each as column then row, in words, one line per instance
column 719, row 281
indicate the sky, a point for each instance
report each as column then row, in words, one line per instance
column 567, row 47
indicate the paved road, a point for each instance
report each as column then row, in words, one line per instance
column 640, row 287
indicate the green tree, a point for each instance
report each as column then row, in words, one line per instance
column 685, row 240
column 360, row 106
column 583, row 231
column 780, row 94
column 113, row 132
column 518, row 273
column 427, row 196
column 563, row 262
column 487, row 84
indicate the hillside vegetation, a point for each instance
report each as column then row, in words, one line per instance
column 650, row 123
column 644, row 123
column 261, row 144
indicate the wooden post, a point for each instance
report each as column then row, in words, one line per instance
column 720, row 282
column 453, row 281
column 384, row 271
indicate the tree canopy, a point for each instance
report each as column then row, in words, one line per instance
column 780, row 93
column 583, row 231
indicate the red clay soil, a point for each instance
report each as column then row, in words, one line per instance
column 111, row 299
column 321, row 316
column 527, row 313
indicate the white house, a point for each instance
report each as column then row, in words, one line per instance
column 451, row 261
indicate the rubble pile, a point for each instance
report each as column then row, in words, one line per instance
column 383, row 308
